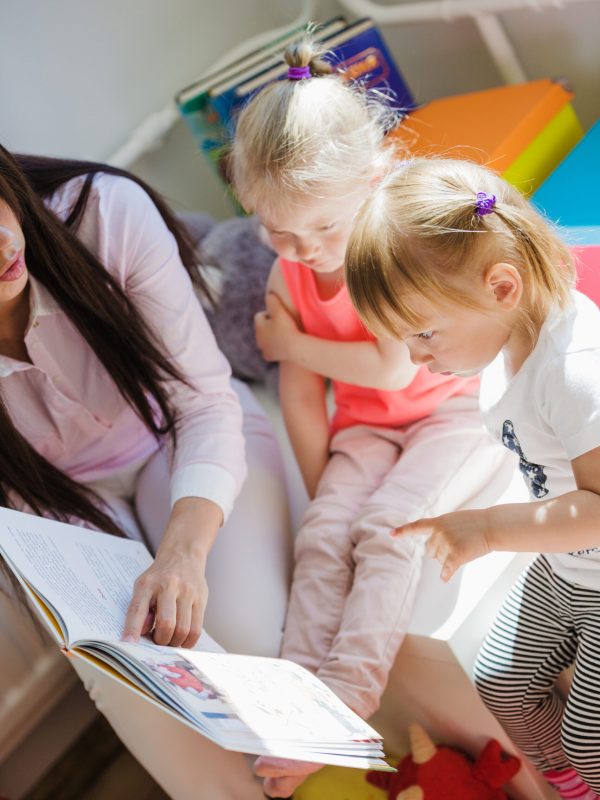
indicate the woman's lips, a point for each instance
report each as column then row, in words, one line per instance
column 15, row 269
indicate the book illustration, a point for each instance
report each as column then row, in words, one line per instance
column 183, row 675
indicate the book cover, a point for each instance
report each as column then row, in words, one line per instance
column 80, row 583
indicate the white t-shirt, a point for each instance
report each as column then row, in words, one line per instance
column 549, row 414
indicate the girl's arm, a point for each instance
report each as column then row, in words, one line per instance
column 565, row 523
column 304, row 409
column 303, row 400
column 383, row 364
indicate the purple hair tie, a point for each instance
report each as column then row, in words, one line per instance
column 485, row 203
column 299, row 73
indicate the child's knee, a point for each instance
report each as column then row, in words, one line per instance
column 371, row 533
column 495, row 684
column 322, row 539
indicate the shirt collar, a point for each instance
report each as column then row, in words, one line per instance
column 41, row 304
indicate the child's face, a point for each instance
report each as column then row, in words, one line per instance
column 314, row 231
column 457, row 339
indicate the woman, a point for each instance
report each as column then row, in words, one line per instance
column 116, row 412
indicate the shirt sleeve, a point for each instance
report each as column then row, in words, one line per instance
column 142, row 254
column 572, row 400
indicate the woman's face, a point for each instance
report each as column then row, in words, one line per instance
column 13, row 272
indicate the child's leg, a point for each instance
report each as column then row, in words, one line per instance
column 535, row 637
column 581, row 720
column 323, row 567
column 543, row 624
column 447, row 461
column 323, row 571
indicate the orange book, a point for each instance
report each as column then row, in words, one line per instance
column 492, row 127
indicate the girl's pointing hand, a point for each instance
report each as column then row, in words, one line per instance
column 454, row 539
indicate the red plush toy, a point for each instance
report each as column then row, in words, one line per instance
column 432, row 773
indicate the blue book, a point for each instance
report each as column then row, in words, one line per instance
column 358, row 51
column 569, row 195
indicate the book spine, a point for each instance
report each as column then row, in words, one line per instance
column 206, row 127
column 211, row 137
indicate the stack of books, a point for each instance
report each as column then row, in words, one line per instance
column 211, row 104
column 570, row 198
column 522, row 131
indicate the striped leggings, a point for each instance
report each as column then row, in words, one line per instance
column 545, row 625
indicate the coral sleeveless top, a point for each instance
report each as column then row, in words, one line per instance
column 335, row 319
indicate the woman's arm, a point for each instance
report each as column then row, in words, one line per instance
column 175, row 586
column 382, row 364
column 565, row 523
column 208, row 464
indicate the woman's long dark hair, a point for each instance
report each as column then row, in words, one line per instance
column 103, row 315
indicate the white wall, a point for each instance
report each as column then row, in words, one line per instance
column 444, row 58
column 76, row 76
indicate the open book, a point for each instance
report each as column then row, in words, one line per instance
column 80, row 583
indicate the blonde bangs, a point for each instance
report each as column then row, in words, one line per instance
column 385, row 285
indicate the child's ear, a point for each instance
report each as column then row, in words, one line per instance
column 504, row 283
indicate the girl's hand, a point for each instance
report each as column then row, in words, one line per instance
column 454, row 539
column 169, row 598
column 275, row 330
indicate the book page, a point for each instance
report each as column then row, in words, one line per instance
column 171, row 677
column 280, row 700
column 85, row 576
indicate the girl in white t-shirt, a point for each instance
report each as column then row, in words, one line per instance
column 450, row 258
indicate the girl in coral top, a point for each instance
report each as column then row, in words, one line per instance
column 402, row 443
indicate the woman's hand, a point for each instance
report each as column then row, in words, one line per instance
column 276, row 330
column 454, row 539
column 170, row 597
